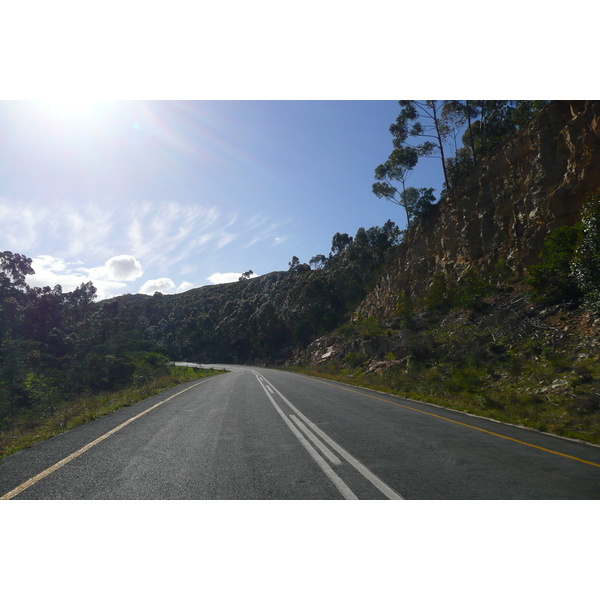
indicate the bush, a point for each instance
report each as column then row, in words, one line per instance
column 585, row 271
column 471, row 290
column 439, row 295
column 355, row 360
column 369, row 328
column 551, row 280
column 405, row 309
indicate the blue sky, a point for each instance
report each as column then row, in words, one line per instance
column 168, row 195
column 140, row 196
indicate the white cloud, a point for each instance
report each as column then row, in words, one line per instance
column 165, row 286
column 226, row 238
column 124, row 268
column 51, row 271
column 226, row 277
column 119, row 268
column 162, row 235
column 162, row 284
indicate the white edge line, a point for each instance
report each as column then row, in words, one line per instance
column 68, row 459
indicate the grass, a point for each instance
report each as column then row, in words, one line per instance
column 32, row 426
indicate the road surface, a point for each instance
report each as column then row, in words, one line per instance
column 256, row 433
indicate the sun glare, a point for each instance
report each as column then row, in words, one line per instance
column 71, row 106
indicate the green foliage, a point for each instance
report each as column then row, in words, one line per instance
column 418, row 203
column 365, row 328
column 459, row 165
column 486, row 125
column 303, row 332
column 439, row 295
column 405, row 309
column 318, row 262
column 551, row 280
column 42, row 389
column 56, row 345
column 586, row 258
column 339, row 242
column 471, row 290
column 34, row 425
column 468, row 379
column 13, row 270
column 501, row 273
column 355, row 360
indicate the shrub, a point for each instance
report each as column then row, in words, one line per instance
column 369, row 328
column 405, row 309
column 355, row 360
column 585, row 271
column 501, row 273
column 471, row 290
column 439, row 295
column 551, row 280
column 465, row 379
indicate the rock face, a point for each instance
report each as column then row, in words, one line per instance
column 504, row 209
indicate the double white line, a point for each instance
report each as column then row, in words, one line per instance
column 301, row 430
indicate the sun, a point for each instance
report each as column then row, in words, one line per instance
column 71, row 106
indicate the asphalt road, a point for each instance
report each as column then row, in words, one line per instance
column 257, row 433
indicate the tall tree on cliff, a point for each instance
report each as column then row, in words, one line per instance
column 396, row 168
column 429, row 119
column 423, row 119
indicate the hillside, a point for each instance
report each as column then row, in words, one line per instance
column 262, row 319
column 453, row 318
column 475, row 306
column 500, row 213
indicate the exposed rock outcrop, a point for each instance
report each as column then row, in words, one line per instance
column 504, row 209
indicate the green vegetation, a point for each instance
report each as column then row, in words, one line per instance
column 437, row 125
column 58, row 347
column 586, row 258
column 59, row 352
column 53, row 415
column 501, row 366
column 474, row 342
column 514, row 350
column 550, row 279
column 569, row 267
column 468, row 292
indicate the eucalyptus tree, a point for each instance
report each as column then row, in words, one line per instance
column 339, row 242
column 423, row 119
column 396, row 168
column 318, row 262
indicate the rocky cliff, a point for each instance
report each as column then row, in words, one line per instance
column 504, row 209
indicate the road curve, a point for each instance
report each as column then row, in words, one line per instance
column 256, row 433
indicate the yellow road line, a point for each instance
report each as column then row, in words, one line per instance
column 68, row 459
column 587, row 462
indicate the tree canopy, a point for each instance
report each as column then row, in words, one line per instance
column 457, row 132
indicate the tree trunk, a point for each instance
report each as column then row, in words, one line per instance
column 471, row 134
column 439, row 137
